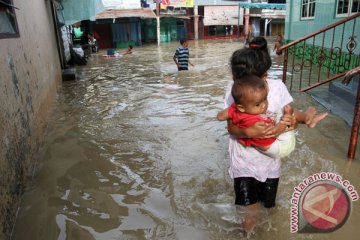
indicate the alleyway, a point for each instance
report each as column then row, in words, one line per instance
column 134, row 151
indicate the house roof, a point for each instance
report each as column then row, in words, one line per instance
column 126, row 13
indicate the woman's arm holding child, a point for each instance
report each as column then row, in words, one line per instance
column 258, row 130
column 265, row 130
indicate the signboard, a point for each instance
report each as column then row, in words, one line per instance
column 222, row 15
column 273, row 14
column 121, row 4
column 178, row 3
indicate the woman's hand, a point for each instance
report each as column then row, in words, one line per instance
column 289, row 118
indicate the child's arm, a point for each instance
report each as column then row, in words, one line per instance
column 191, row 63
column 223, row 115
column 175, row 60
column 280, row 128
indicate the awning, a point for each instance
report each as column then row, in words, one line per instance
column 117, row 13
column 78, row 10
column 279, row 6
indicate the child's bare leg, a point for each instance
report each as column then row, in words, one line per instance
column 312, row 118
column 309, row 117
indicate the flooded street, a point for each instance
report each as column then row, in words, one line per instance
column 134, row 151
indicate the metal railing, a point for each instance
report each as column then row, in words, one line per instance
column 356, row 119
column 324, row 56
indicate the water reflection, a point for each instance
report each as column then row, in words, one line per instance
column 134, row 151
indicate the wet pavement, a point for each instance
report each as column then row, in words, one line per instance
column 134, row 151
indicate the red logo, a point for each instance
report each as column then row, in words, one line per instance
column 325, row 207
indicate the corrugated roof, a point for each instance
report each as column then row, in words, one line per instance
column 116, row 13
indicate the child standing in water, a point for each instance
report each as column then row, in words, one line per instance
column 278, row 44
column 181, row 57
column 256, row 175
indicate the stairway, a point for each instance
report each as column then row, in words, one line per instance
column 340, row 99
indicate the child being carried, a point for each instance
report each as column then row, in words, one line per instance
column 249, row 107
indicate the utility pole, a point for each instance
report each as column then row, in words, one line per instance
column 158, row 21
column 247, row 27
column 238, row 24
column 196, row 22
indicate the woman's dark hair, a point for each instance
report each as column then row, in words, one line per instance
column 258, row 43
column 252, row 60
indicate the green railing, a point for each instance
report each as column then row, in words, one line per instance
column 331, row 60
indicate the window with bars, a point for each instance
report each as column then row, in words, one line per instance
column 8, row 23
column 347, row 7
column 308, row 9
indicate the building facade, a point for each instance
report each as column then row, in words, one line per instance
column 307, row 16
column 123, row 23
column 30, row 75
column 219, row 19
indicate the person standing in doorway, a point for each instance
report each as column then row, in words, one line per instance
column 181, row 57
column 278, row 44
column 248, row 37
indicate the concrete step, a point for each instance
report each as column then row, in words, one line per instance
column 69, row 74
column 346, row 92
column 334, row 104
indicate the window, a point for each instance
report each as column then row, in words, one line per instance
column 347, row 7
column 8, row 24
column 308, row 9
column 355, row 8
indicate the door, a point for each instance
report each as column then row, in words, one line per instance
column 103, row 35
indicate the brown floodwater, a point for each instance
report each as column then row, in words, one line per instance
column 134, row 151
